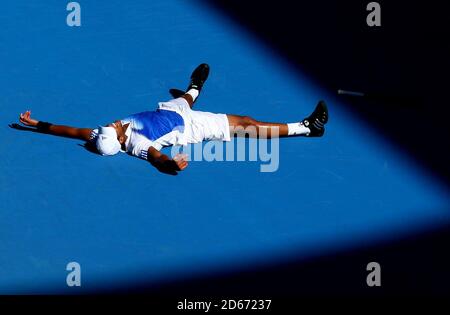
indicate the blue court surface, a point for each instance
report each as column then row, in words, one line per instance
column 121, row 219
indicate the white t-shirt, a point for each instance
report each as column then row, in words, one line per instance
column 147, row 129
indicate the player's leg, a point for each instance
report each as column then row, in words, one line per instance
column 246, row 125
column 198, row 78
column 312, row 126
column 189, row 98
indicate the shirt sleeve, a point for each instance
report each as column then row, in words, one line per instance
column 94, row 135
column 141, row 148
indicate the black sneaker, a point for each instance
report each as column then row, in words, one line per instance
column 198, row 77
column 317, row 120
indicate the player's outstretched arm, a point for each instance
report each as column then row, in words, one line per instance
column 56, row 130
column 165, row 164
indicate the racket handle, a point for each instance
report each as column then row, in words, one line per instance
column 351, row 93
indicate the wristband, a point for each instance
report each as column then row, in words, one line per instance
column 43, row 126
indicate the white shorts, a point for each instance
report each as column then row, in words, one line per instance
column 199, row 126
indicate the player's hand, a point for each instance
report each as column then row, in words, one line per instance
column 26, row 119
column 180, row 161
column 166, row 164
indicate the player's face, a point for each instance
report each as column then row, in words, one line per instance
column 120, row 130
column 118, row 126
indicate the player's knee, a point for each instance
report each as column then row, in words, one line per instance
column 188, row 98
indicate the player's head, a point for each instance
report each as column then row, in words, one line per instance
column 107, row 143
column 110, row 138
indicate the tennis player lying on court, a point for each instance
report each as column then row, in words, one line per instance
column 175, row 123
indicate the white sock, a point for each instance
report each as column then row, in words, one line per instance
column 193, row 93
column 297, row 129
